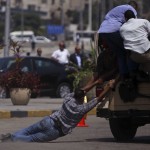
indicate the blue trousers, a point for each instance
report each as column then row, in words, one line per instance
column 41, row 131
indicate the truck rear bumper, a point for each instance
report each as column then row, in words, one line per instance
column 106, row 113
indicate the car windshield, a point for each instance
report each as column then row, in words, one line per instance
column 40, row 38
column 1, row 64
column 10, row 64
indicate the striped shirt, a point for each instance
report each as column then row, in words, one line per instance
column 72, row 112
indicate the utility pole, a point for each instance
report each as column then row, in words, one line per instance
column 22, row 20
column 7, row 28
column 90, row 15
column 62, row 11
column 103, row 9
column 81, row 15
column 62, row 36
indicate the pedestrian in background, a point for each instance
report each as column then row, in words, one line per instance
column 39, row 52
column 28, row 53
column 77, row 57
column 33, row 44
column 77, row 39
column 61, row 55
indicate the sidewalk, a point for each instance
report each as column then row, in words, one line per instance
column 38, row 107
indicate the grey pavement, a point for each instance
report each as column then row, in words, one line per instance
column 37, row 107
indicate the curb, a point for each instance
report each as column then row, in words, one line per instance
column 32, row 113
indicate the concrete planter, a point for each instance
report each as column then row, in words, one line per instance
column 20, row 96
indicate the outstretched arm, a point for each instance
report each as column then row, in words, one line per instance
column 92, row 103
column 90, row 85
column 110, row 85
column 107, row 88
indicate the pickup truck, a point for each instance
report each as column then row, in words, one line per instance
column 125, row 116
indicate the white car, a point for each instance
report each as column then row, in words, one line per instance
column 42, row 39
column 22, row 36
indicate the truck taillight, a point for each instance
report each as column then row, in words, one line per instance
column 98, row 90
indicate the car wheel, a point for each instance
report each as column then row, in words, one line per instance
column 122, row 128
column 4, row 93
column 63, row 88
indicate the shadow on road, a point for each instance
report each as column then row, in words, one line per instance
column 101, row 140
column 139, row 139
column 78, row 141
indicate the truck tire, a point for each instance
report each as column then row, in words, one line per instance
column 122, row 129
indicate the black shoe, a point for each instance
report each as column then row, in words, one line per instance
column 5, row 137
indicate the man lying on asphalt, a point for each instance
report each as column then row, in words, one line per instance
column 61, row 122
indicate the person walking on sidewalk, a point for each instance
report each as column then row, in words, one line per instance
column 61, row 55
column 61, row 122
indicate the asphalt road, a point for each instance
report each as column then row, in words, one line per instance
column 95, row 137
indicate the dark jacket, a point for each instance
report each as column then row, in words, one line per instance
column 73, row 58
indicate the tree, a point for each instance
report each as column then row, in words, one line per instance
column 96, row 15
column 31, row 22
column 73, row 15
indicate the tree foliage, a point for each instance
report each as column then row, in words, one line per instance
column 31, row 22
column 73, row 15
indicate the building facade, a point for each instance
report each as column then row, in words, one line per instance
column 47, row 8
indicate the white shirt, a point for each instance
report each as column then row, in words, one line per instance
column 135, row 33
column 61, row 56
column 78, row 60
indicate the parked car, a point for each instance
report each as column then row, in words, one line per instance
column 22, row 36
column 53, row 76
column 41, row 39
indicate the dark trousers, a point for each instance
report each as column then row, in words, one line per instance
column 114, row 42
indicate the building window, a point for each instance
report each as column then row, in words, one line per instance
column 61, row 2
column 18, row 3
column 31, row 7
column 53, row 2
column 44, row 1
